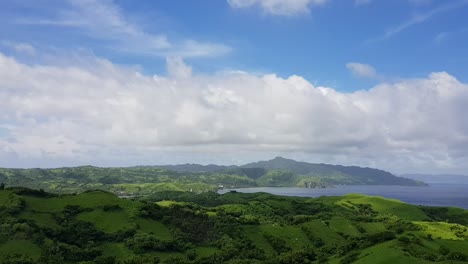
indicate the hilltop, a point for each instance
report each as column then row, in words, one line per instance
column 143, row 180
column 334, row 174
column 182, row 227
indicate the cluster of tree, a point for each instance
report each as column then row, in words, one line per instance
column 443, row 214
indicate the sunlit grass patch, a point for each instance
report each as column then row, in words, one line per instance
column 385, row 206
column 441, row 230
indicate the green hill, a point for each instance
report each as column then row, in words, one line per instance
column 144, row 180
column 183, row 227
column 333, row 174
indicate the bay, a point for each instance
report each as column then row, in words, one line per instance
column 432, row 195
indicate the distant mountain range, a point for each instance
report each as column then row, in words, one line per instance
column 303, row 172
column 438, row 178
column 190, row 167
column 143, row 180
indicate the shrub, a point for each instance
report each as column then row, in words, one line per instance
column 443, row 250
column 278, row 244
column 350, row 258
column 458, row 256
column 404, row 240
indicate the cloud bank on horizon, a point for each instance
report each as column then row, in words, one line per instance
column 52, row 112
column 62, row 106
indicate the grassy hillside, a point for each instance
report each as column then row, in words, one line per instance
column 146, row 180
column 183, row 227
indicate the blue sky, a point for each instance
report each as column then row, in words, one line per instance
column 396, row 68
column 316, row 43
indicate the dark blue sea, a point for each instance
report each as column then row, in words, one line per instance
column 433, row 195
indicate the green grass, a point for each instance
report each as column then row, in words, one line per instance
column 455, row 245
column 119, row 250
column 386, row 253
column 294, row 236
column 49, row 205
column 110, row 221
column 148, row 188
column 155, row 227
column 386, row 206
column 373, row 227
column 254, row 233
column 389, row 253
column 343, row 225
column 20, row 247
column 320, row 230
column 41, row 219
column 206, row 251
column 235, row 208
column 169, row 203
column 441, row 230
column 91, row 199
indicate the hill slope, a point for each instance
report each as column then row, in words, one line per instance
column 175, row 227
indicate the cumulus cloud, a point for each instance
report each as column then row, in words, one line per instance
column 108, row 112
column 278, row 7
column 177, row 68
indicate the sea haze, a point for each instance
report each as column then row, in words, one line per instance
column 439, row 194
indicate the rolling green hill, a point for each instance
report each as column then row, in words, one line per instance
column 183, row 227
column 144, row 180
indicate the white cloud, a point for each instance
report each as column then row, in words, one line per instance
column 420, row 18
column 445, row 36
column 278, row 7
column 104, row 20
column 106, row 114
column 192, row 48
column 177, row 68
column 363, row 70
column 19, row 47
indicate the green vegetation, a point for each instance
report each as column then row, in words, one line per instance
column 145, row 180
column 184, row 227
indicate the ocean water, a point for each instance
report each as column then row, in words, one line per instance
column 432, row 195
